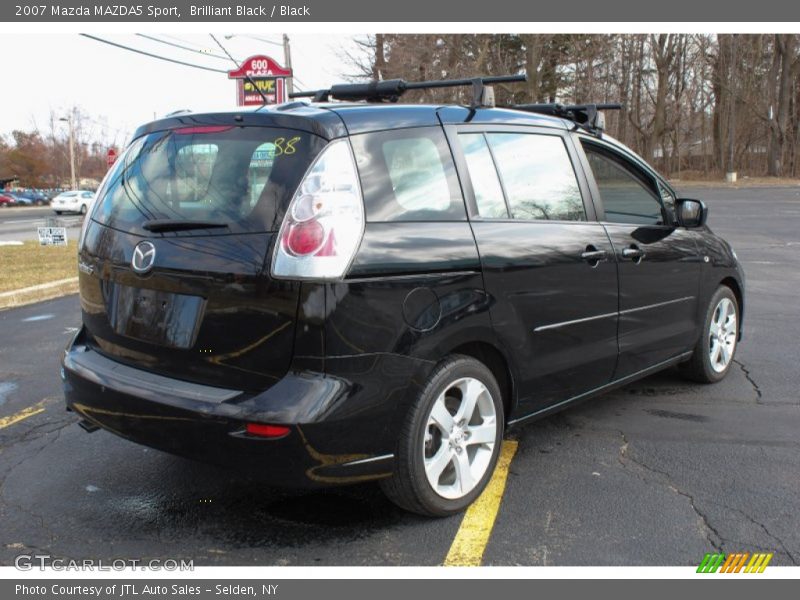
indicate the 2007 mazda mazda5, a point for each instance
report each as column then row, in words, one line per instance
column 335, row 292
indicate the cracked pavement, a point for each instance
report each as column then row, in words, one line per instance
column 657, row 473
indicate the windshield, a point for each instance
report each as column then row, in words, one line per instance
column 242, row 177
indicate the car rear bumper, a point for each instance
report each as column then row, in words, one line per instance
column 328, row 443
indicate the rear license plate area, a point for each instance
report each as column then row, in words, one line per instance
column 155, row 316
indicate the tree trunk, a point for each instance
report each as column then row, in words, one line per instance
column 379, row 66
column 784, row 70
column 534, row 48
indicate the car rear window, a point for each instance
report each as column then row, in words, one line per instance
column 408, row 175
column 242, row 176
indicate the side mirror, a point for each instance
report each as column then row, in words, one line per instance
column 691, row 213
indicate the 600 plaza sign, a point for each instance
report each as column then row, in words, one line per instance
column 260, row 80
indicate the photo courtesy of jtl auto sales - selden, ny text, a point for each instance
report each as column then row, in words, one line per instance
column 355, row 299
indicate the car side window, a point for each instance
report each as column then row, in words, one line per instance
column 627, row 197
column 537, row 176
column 408, row 175
column 485, row 182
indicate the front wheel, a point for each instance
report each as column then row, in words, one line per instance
column 713, row 355
column 450, row 442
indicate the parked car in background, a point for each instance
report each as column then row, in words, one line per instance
column 31, row 197
column 78, row 201
column 7, row 200
column 20, row 200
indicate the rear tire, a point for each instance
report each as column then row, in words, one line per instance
column 450, row 441
column 58, row 212
column 713, row 355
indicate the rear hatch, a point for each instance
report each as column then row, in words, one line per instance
column 174, row 262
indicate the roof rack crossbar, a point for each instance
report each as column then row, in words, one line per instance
column 586, row 116
column 390, row 90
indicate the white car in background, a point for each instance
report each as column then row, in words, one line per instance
column 73, row 202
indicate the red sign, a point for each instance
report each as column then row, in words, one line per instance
column 111, row 157
column 260, row 73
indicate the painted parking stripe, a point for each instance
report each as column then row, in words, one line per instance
column 470, row 542
column 22, row 415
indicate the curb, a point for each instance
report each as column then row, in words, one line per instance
column 38, row 293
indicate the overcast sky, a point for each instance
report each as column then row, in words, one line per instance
column 119, row 89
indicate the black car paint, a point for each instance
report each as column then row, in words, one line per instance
column 225, row 330
column 363, row 347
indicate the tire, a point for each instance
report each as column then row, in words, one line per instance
column 58, row 212
column 83, row 209
column 423, row 437
column 707, row 364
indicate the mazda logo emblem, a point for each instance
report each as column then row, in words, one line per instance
column 144, row 255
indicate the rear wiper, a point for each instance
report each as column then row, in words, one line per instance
column 180, row 225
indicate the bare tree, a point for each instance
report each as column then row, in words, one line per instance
column 695, row 103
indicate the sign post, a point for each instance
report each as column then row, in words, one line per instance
column 267, row 76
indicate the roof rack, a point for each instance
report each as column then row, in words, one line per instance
column 585, row 116
column 390, row 90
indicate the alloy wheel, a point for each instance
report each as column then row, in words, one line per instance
column 460, row 437
column 722, row 334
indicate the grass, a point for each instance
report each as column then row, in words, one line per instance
column 32, row 264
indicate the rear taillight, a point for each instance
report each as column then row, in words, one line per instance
column 324, row 223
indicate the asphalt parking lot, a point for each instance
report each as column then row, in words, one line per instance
column 657, row 473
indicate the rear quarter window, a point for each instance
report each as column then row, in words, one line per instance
column 408, row 175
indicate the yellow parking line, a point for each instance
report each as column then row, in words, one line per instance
column 476, row 527
column 22, row 415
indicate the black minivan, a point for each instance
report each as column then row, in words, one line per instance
column 335, row 292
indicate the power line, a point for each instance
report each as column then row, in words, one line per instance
column 266, row 41
column 239, row 67
column 158, row 56
column 180, row 62
column 254, row 37
column 183, row 41
column 204, row 53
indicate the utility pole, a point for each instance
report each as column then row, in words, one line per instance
column 71, row 122
column 730, row 175
column 287, row 59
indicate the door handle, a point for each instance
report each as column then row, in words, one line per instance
column 592, row 255
column 633, row 252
